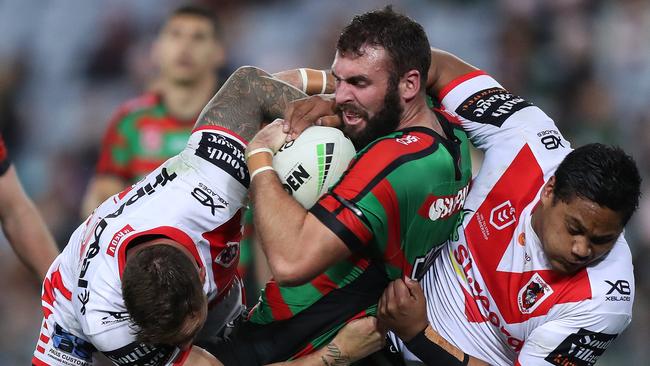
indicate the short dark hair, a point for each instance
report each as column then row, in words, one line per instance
column 403, row 38
column 162, row 290
column 602, row 174
column 201, row 12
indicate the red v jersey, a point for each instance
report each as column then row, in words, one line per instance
column 491, row 291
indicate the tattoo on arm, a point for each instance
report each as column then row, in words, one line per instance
column 334, row 356
column 249, row 97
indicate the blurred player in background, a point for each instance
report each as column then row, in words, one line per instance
column 21, row 222
column 147, row 130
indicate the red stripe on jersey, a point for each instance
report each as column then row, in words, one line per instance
column 354, row 224
column 279, row 309
column 182, row 357
column 224, row 262
column 516, row 188
column 371, row 163
column 329, row 202
column 304, row 352
column 54, row 282
column 324, row 284
column 165, row 123
column 517, row 363
column 36, row 361
column 457, row 81
column 472, row 312
column 44, row 338
column 393, row 254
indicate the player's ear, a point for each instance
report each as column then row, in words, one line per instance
column 547, row 191
column 409, row 84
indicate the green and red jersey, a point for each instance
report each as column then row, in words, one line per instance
column 5, row 163
column 141, row 136
column 399, row 198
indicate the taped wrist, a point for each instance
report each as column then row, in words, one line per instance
column 431, row 353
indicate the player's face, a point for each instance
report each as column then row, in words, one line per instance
column 574, row 234
column 187, row 49
column 367, row 100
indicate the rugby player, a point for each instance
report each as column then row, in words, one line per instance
column 147, row 130
column 374, row 224
column 153, row 269
column 538, row 271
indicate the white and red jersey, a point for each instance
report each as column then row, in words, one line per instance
column 491, row 291
column 193, row 198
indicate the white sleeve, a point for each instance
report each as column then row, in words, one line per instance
column 493, row 117
column 572, row 341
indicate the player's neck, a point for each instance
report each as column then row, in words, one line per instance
column 185, row 102
column 418, row 113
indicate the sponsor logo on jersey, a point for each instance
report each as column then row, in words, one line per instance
column 492, row 106
column 580, row 349
column 443, row 207
column 142, row 354
column 114, row 317
column 228, row 255
column 161, row 179
column 117, row 238
column 551, row 139
column 503, row 215
column 324, row 154
column 407, row 139
column 295, row 179
column 533, row 294
column 69, row 349
column 479, row 307
column 206, row 199
column 225, row 153
column 619, row 291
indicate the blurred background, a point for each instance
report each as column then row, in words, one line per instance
column 66, row 65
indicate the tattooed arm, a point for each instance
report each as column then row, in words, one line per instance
column 249, row 97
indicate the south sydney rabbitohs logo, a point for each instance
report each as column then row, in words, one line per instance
column 503, row 215
column 533, row 294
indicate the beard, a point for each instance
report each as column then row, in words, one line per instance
column 381, row 124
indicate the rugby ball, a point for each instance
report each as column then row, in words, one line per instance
column 310, row 164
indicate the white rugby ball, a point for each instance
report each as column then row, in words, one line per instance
column 310, row 164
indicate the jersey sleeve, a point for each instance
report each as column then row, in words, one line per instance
column 5, row 163
column 574, row 341
column 115, row 153
column 492, row 116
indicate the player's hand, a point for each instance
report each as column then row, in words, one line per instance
column 314, row 110
column 271, row 136
column 402, row 309
column 358, row 339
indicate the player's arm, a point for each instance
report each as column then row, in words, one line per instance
column 101, row 187
column 24, row 227
column 444, row 69
column 298, row 246
column 249, row 97
column 110, row 176
column 402, row 309
column 310, row 81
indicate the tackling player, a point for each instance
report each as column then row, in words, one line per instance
column 153, row 268
column 538, row 272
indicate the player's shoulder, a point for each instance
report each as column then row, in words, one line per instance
column 138, row 104
column 612, row 281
